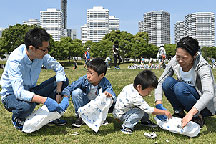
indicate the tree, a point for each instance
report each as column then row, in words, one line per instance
column 209, row 52
column 124, row 40
column 101, row 49
column 170, row 50
column 13, row 36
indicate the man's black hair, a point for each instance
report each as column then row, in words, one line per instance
column 35, row 37
column 190, row 44
column 146, row 79
column 98, row 65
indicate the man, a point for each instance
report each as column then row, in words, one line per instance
column 19, row 93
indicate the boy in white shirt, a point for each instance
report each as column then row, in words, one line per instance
column 130, row 106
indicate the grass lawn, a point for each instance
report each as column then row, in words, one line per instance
column 107, row 134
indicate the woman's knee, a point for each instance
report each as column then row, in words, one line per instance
column 180, row 88
column 168, row 82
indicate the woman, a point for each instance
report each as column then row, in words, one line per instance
column 194, row 89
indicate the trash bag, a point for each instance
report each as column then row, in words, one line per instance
column 95, row 112
column 173, row 125
column 39, row 118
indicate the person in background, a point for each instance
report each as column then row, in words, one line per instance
column 193, row 91
column 19, row 93
column 116, row 55
column 87, row 57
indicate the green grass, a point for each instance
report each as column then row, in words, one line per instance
column 107, row 134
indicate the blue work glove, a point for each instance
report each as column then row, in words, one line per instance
column 52, row 105
column 64, row 103
column 161, row 117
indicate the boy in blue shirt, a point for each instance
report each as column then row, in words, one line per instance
column 87, row 87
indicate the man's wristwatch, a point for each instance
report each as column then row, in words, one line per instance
column 58, row 93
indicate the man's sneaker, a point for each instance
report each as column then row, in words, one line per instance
column 78, row 123
column 58, row 122
column 105, row 122
column 18, row 124
column 127, row 131
column 149, row 123
column 199, row 120
column 179, row 114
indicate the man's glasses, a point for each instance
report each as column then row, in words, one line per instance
column 43, row 50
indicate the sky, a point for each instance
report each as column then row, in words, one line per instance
column 129, row 12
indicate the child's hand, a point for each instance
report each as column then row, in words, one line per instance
column 161, row 117
column 107, row 94
column 168, row 114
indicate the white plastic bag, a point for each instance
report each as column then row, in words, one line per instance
column 95, row 112
column 39, row 118
column 192, row 129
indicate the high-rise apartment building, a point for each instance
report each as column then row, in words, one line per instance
column 179, row 30
column 72, row 33
column 98, row 24
column 32, row 22
column 64, row 12
column 200, row 25
column 113, row 23
column 84, row 33
column 157, row 25
column 141, row 26
column 52, row 21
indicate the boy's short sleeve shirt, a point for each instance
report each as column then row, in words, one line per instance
column 93, row 92
column 128, row 99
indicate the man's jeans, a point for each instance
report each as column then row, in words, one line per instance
column 22, row 109
column 181, row 95
column 132, row 117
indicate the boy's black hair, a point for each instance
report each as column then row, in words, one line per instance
column 146, row 79
column 98, row 65
column 190, row 44
column 35, row 37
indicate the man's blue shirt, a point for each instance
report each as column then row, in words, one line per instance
column 21, row 74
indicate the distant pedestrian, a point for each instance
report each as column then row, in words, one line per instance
column 116, row 54
column 87, row 57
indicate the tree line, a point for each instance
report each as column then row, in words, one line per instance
column 130, row 46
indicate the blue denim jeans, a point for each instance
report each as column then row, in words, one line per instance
column 181, row 95
column 80, row 99
column 22, row 109
column 132, row 117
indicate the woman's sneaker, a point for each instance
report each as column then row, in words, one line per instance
column 199, row 120
column 127, row 130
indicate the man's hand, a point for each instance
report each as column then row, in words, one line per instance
column 52, row 105
column 161, row 117
column 64, row 103
column 108, row 94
